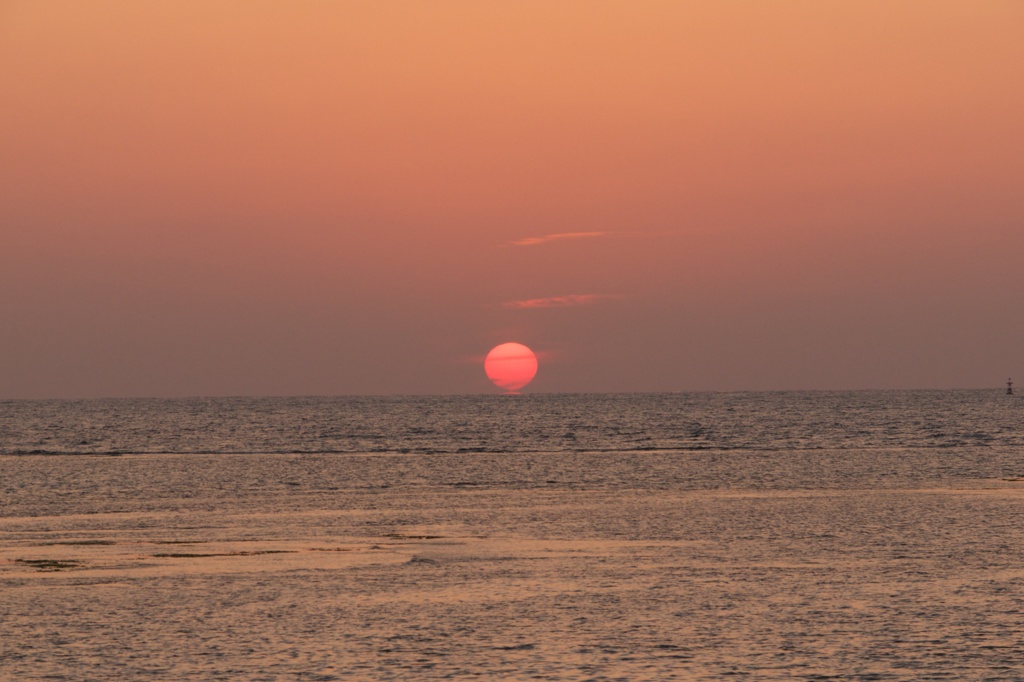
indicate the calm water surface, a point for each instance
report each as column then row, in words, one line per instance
column 864, row 535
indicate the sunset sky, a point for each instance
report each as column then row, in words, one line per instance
column 291, row 198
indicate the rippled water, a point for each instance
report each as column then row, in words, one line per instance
column 863, row 536
column 530, row 423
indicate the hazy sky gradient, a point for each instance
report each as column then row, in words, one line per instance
column 268, row 198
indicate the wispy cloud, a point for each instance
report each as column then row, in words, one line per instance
column 533, row 241
column 560, row 301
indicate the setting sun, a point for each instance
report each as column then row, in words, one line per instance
column 511, row 366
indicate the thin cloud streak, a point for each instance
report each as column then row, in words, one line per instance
column 533, row 241
column 560, row 301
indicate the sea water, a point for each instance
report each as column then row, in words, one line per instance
column 805, row 535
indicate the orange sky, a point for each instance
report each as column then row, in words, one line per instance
column 266, row 198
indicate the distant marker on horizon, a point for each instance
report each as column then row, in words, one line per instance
column 1009, row 387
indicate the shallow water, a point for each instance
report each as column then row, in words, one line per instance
column 844, row 561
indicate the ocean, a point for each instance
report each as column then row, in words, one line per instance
column 868, row 535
